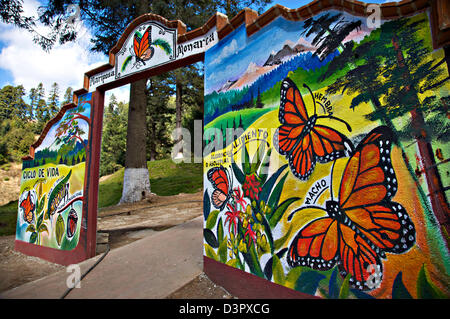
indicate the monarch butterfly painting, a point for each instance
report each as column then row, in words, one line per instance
column 300, row 139
column 28, row 208
column 143, row 48
column 222, row 183
column 72, row 220
column 363, row 223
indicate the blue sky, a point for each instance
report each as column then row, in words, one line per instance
column 23, row 62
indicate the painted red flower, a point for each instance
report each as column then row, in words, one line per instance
column 239, row 197
column 251, row 234
column 251, row 186
column 232, row 216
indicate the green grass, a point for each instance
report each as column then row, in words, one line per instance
column 248, row 117
column 8, row 217
column 166, row 178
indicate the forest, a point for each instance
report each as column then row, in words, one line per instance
column 23, row 115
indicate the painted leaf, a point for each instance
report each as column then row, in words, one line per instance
column 426, row 289
column 238, row 173
column 345, row 288
column 399, row 290
column 361, row 294
column 246, row 165
column 333, row 288
column 43, row 228
column 232, row 263
column 125, row 63
column 269, row 265
column 164, row 45
column 206, row 205
column 256, row 161
column 41, row 204
column 308, row 282
column 281, row 209
column 252, row 260
column 223, row 249
column 292, row 277
column 276, row 193
column 30, row 228
column 39, row 220
column 219, row 231
column 267, row 187
column 210, row 252
column 264, row 168
column 33, row 237
column 210, row 238
column 212, row 218
column 277, row 269
column 59, row 229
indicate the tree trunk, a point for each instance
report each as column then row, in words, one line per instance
column 136, row 182
column 178, row 104
column 437, row 196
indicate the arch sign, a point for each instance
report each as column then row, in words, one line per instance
column 326, row 149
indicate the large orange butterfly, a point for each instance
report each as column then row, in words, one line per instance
column 142, row 46
column 363, row 224
column 221, row 181
column 300, row 139
column 28, row 208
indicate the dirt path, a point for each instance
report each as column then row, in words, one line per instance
column 123, row 224
column 10, row 175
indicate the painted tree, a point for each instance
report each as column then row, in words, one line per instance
column 329, row 32
column 70, row 130
column 391, row 80
column 412, row 72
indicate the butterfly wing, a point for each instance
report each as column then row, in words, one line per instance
column 290, row 139
column 142, row 44
column 328, row 144
column 28, row 208
column 218, row 177
column 316, row 245
column 358, row 258
column 292, row 116
column 367, row 187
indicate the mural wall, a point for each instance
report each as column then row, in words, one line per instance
column 51, row 190
column 327, row 156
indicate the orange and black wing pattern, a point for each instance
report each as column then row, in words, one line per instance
column 28, row 208
column 364, row 223
column 218, row 177
column 300, row 140
column 142, row 44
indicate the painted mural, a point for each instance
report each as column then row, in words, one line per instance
column 150, row 45
column 51, row 190
column 326, row 166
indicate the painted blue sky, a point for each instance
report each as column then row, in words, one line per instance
column 222, row 64
column 23, row 62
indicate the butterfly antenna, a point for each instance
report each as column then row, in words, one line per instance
column 312, row 96
column 302, row 208
column 331, row 180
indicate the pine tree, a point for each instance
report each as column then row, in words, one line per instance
column 68, row 96
column 53, row 101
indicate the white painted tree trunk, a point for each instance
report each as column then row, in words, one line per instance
column 136, row 185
